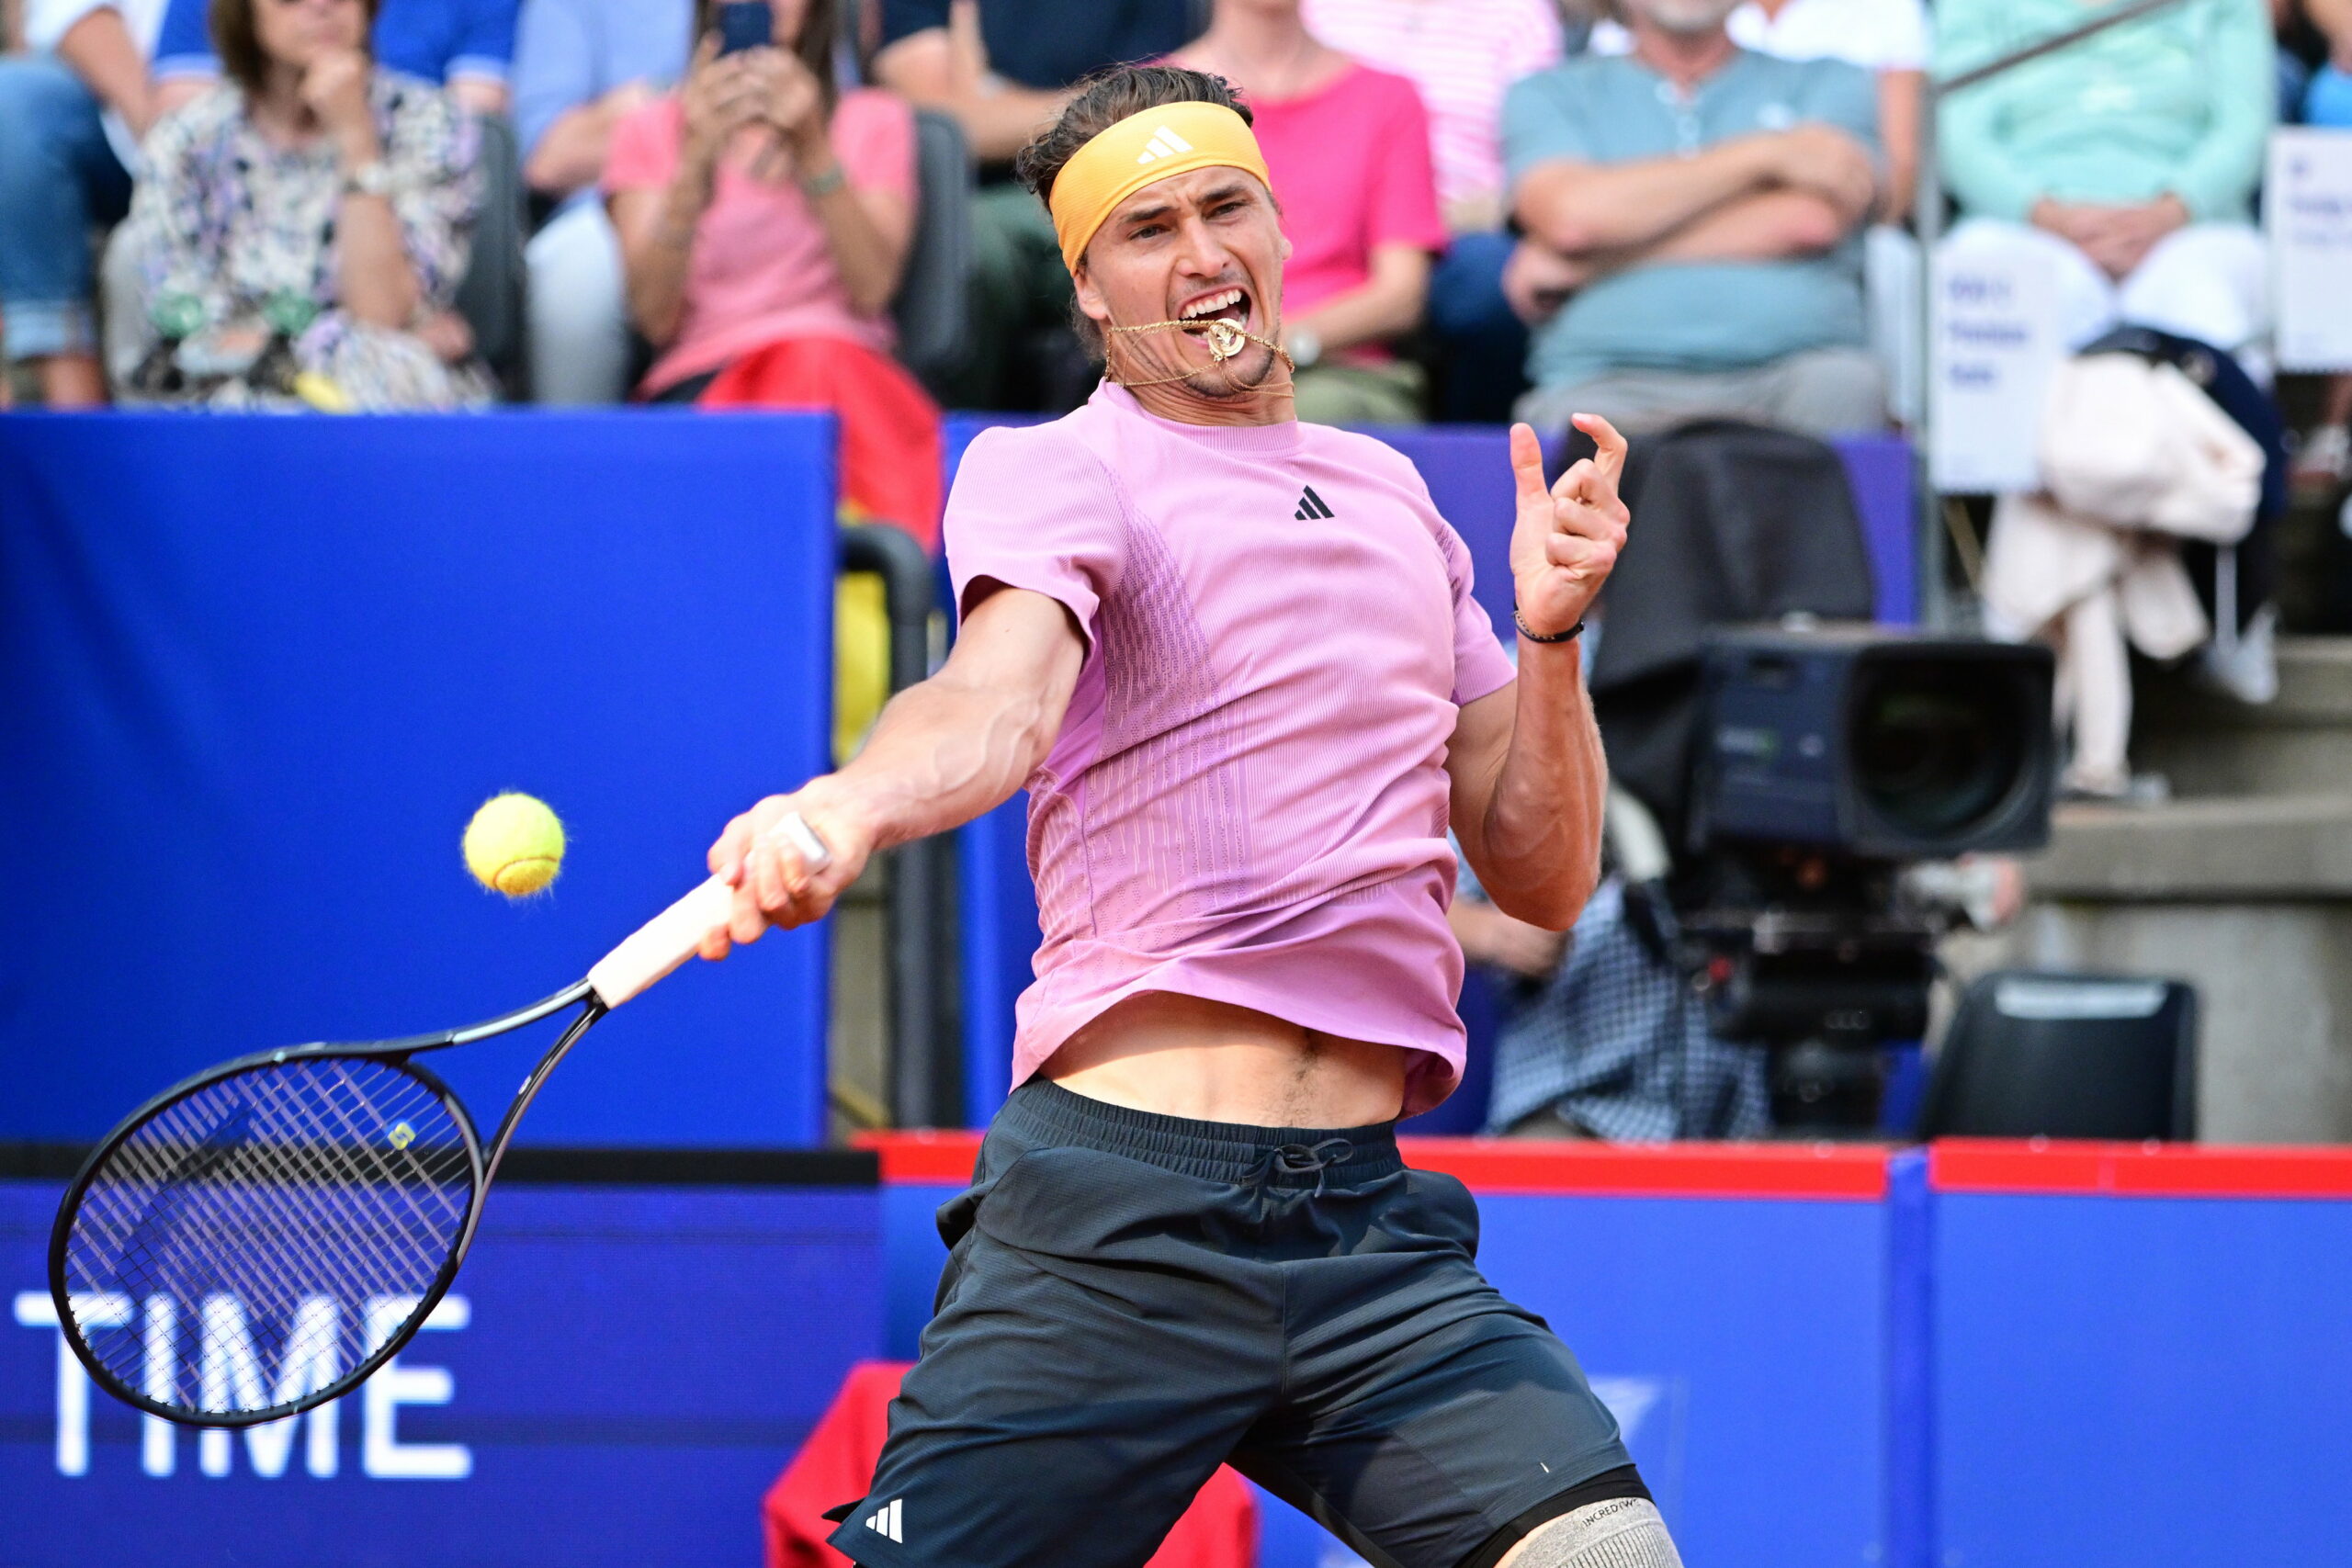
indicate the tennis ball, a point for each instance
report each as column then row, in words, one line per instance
column 514, row 845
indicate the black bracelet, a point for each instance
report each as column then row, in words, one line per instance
column 1556, row 637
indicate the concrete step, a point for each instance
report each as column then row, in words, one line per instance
column 2210, row 745
column 2290, row 848
column 2249, row 899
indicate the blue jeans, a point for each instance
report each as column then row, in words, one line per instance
column 59, row 177
column 1485, row 345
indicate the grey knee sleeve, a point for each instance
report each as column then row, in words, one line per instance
column 1620, row 1532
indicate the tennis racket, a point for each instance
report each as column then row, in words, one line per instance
column 259, row 1239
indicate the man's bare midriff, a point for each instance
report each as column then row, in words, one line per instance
column 1180, row 1055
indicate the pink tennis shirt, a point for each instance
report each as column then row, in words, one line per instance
column 1248, row 800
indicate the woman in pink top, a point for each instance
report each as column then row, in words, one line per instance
column 1462, row 55
column 765, row 217
column 1349, row 148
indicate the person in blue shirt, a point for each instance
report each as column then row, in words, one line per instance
column 580, row 67
column 1693, row 214
column 466, row 46
column 73, row 109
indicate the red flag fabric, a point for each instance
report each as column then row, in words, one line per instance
column 890, row 448
column 836, row 1465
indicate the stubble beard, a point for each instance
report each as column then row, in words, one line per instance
column 1238, row 376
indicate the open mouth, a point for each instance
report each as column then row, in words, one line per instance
column 1230, row 305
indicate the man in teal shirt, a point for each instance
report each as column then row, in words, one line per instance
column 2127, row 162
column 1695, row 211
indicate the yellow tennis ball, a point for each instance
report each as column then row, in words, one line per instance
column 514, row 845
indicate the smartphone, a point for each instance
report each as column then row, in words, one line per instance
column 745, row 24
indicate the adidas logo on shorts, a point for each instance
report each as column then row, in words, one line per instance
column 885, row 1520
column 1164, row 143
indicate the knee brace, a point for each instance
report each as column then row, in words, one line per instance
column 1623, row 1532
column 1607, row 1521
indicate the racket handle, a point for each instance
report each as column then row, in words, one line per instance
column 676, row 934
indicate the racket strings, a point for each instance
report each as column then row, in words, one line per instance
column 269, row 1191
column 256, row 1241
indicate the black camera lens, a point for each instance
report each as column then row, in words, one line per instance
column 1936, row 755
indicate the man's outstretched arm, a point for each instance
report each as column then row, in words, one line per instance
column 1529, row 779
column 944, row 751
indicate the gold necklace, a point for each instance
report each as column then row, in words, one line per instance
column 1225, row 340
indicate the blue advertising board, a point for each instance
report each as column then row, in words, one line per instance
column 271, row 666
column 1741, row 1343
column 2142, row 1356
column 616, row 1378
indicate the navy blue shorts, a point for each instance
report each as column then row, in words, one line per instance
column 1131, row 1300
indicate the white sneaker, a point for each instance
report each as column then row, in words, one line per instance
column 2248, row 671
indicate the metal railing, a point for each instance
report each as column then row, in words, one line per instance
column 924, row 1067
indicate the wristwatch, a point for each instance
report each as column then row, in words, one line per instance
column 373, row 177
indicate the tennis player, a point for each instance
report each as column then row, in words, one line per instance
column 1235, row 661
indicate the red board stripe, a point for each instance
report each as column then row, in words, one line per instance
column 924, row 1156
column 2137, row 1170
column 1498, row 1166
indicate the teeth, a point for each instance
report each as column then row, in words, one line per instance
column 1213, row 303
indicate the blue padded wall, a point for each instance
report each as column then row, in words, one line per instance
column 256, row 674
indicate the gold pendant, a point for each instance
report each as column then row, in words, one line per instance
column 1225, row 341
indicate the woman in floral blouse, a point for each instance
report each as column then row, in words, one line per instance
column 299, row 232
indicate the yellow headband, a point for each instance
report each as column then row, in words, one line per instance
column 1140, row 149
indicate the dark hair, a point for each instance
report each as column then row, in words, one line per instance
column 820, row 28
column 1104, row 100
column 238, row 42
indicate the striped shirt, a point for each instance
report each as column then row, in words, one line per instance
column 1462, row 55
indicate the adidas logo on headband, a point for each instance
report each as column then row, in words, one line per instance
column 1164, row 143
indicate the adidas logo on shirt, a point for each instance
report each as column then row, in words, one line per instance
column 885, row 1520
column 1164, row 143
column 1310, row 507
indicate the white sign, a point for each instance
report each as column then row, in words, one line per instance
column 2307, row 206
column 1994, row 345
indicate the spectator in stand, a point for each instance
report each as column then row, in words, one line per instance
column 300, row 229
column 2128, row 162
column 1349, row 149
column 2325, row 456
column 1602, row 1036
column 72, row 114
column 1889, row 38
column 581, row 68
column 1004, row 68
column 1462, row 55
column 466, row 46
column 764, row 217
column 1697, row 210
